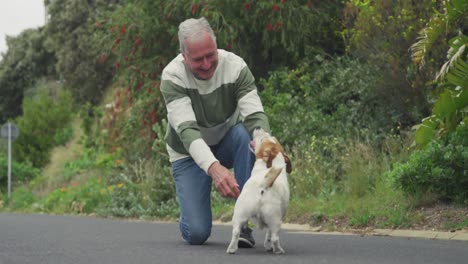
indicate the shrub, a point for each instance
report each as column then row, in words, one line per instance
column 24, row 63
column 70, row 34
column 381, row 33
column 20, row 172
column 317, row 167
column 142, row 189
column 440, row 169
column 85, row 198
column 42, row 126
column 323, row 98
column 21, row 199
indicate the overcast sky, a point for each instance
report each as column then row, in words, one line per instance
column 18, row 15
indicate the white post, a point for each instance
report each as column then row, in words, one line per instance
column 9, row 160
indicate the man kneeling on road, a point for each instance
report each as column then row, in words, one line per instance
column 212, row 107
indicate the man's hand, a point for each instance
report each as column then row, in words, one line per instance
column 224, row 181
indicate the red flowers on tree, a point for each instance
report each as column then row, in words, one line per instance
column 194, row 9
column 278, row 25
column 275, row 8
column 137, row 42
column 247, row 6
column 102, row 58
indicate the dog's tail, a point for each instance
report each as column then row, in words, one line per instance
column 271, row 176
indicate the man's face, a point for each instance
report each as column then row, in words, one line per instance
column 201, row 56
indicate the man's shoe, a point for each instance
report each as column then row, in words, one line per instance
column 246, row 239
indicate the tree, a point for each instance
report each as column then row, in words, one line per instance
column 450, row 109
column 380, row 33
column 24, row 63
column 71, row 28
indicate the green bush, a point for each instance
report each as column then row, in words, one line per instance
column 22, row 198
column 142, row 189
column 70, row 34
column 20, row 172
column 25, row 62
column 44, row 124
column 439, row 170
column 84, row 198
column 381, row 33
column 323, row 98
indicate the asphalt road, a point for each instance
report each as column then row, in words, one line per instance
column 26, row 238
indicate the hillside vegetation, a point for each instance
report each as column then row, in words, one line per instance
column 369, row 98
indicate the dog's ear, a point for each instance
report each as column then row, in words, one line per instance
column 288, row 163
column 267, row 153
column 272, row 155
column 271, row 176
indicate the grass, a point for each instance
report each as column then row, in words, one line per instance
column 54, row 174
column 456, row 226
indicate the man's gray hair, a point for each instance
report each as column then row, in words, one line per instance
column 192, row 29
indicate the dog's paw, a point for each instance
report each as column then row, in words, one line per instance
column 267, row 246
column 231, row 250
column 279, row 251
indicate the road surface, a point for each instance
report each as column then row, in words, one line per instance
column 33, row 238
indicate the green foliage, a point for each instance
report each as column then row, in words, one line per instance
column 450, row 109
column 25, row 62
column 328, row 166
column 20, row 172
column 85, row 198
column 265, row 33
column 317, row 168
column 336, row 97
column 440, row 23
column 87, row 161
column 142, row 189
column 42, row 125
column 440, row 169
column 381, row 207
column 380, row 33
column 21, row 198
column 70, row 32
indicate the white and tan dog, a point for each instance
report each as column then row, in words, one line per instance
column 265, row 196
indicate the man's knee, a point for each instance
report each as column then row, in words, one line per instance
column 196, row 235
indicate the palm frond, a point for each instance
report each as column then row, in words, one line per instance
column 456, row 68
column 439, row 23
column 426, row 39
column 456, row 9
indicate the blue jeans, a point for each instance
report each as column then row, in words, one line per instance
column 193, row 185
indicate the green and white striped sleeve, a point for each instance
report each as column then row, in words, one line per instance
column 182, row 118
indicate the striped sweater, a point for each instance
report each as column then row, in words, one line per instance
column 201, row 112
